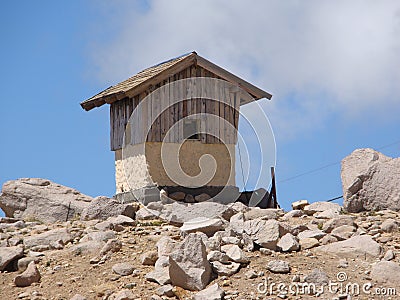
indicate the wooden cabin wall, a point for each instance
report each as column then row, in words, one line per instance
column 120, row 112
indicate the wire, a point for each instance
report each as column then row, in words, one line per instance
column 331, row 164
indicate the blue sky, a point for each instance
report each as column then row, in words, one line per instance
column 333, row 68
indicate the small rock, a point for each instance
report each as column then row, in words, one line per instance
column 308, row 243
column 123, row 295
column 343, row 263
column 235, row 254
column 338, row 221
column 29, row 276
column 159, row 275
column 293, row 214
column 288, row 243
column 217, row 256
column 317, row 234
column 24, row 262
column 317, row 277
column 320, row 207
column 343, row 232
column 202, row 197
column 189, row 198
column 251, row 274
column 149, row 258
column 165, row 290
column 123, row 269
column 327, row 239
column 113, row 245
column 213, row 292
column 278, row 266
column 389, row 255
column 225, row 269
column 390, row 225
column 78, row 297
column 300, row 204
column 144, row 214
column 177, row 196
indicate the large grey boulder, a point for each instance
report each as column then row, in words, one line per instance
column 103, row 207
column 370, row 181
column 188, row 265
column 42, row 200
column 360, row 246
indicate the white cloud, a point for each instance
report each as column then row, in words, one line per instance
column 316, row 57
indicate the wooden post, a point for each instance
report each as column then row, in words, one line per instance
column 273, row 201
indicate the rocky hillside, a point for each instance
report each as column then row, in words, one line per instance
column 109, row 250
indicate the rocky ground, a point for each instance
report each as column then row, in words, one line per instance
column 114, row 259
column 57, row 243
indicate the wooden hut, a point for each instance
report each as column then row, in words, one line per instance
column 216, row 139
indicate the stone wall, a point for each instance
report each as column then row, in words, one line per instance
column 218, row 162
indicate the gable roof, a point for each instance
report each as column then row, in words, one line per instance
column 155, row 74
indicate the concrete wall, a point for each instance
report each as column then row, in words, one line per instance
column 201, row 164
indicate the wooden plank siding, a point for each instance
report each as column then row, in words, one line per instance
column 120, row 112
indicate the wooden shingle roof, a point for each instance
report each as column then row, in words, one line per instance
column 155, row 74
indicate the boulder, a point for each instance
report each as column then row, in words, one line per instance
column 288, row 243
column 278, row 266
column 145, row 214
column 216, row 255
column 42, row 200
column 123, row 269
column 338, row 221
column 300, row 204
column 308, row 243
column 103, row 207
column 386, row 272
column 235, row 254
column 25, row 261
column 262, row 213
column 343, row 232
column 390, row 225
column 370, row 181
column 265, row 233
column 202, row 224
column 360, row 246
column 317, row 277
column 159, row 275
column 318, row 234
column 51, row 238
column 166, row 290
column 317, row 207
column 188, row 265
column 122, row 295
column 213, row 292
column 178, row 213
column 8, row 255
column 225, row 269
column 149, row 258
column 29, row 276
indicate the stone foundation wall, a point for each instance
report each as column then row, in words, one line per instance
column 141, row 170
